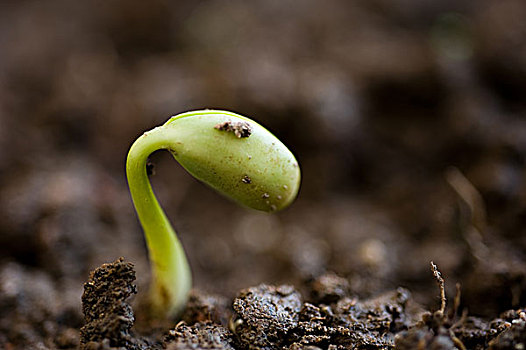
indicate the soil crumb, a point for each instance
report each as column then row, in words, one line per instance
column 514, row 334
column 268, row 317
column 264, row 315
column 350, row 324
column 198, row 336
column 203, row 308
column 439, row 331
column 328, row 288
column 240, row 129
column 108, row 317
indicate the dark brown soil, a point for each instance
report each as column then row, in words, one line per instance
column 408, row 120
column 277, row 317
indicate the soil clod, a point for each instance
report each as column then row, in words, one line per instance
column 267, row 314
column 202, row 307
column 108, row 316
column 329, row 288
column 514, row 335
column 198, row 336
column 351, row 324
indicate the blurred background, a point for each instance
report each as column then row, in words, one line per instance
column 408, row 120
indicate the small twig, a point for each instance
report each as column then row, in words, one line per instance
column 456, row 301
column 456, row 304
column 441, row 286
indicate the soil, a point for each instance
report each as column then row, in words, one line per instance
column 277, row 317
column 408, row 121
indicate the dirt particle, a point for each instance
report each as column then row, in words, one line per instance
column 202, row 307
column 240, row 129
column 279, row 197
column 285, row 187
column 246, row 179
column 265, row 195
column 273, row 207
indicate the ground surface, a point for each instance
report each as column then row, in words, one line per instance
column 408, row 120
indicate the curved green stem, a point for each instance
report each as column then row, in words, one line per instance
column 172, row 278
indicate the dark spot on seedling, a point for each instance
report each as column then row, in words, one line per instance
column 246, row 179
column 240, row 129
column 164, row 294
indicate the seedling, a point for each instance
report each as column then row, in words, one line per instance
column 232, row 154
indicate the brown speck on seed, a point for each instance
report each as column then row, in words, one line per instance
column 240, row 129
column 246, row 179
